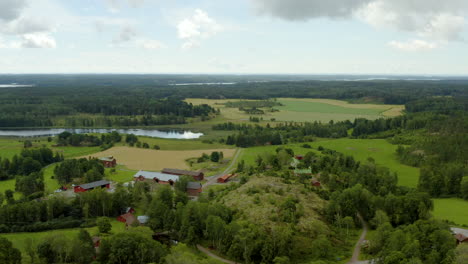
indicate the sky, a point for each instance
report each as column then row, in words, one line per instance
column 236, row 37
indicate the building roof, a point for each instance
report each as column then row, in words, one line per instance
column 107, row 159
column 461, row 231
column 143, row 219
column 94, row 184
column 160, row 176
column 182, row 172
column 227, row 176
column 129, row 218
column 194, row 185
column 96, row 239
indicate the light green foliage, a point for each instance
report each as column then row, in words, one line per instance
column 461, row 254
column 103, row 225
column 183, row 254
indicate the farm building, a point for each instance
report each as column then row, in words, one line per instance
column 194, row 188
column 197, row 175
column 96, row 241
column 128, row 218
column 92, row 185
column 299, row 157
column 460, row 234
column 315, row 183
column 108, row 162
column 143, row 219
column 157, row 177
column 225, row 178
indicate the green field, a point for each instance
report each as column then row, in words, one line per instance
column 121, row 175
column 302, row 110
column 50, row 184
column 361, row 149
column 452, row 209
column 18, row 239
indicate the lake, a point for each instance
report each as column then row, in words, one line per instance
column 139, row 132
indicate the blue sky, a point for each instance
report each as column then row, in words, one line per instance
column 242, row 36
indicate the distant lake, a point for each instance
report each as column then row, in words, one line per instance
column 139, row 132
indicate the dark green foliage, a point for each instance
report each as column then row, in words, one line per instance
column 9, row 254
column 69, row 170
column 214, row 157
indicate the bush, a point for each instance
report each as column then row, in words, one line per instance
column 104, row 225
column 306, row 146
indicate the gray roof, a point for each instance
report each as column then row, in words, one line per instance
column 143, row 219
column 160, row 176
column 94, row 184
column 107, row 159
column 462, row 231
column 194, row 185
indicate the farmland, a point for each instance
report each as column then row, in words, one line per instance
column 361, row 149
column 148, row 159
column 301, row 110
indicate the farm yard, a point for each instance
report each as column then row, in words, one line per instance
column 302, row 110
column 155, row 160
column 361, row 149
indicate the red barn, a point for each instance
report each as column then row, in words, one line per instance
column 108, row 162
column 92, row 185
column 316, row 183
column 158, row 177
column 225, row 178
column 197, row 175
column 299, row 157
column 194, row 188
column 127, row 218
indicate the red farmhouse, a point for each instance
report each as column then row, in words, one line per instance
column 225, row 178
column 197, row 175
column 92, row 185
column 194, row 188
column 108, row 162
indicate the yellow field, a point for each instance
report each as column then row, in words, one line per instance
column 156, row 160
column 302, row 110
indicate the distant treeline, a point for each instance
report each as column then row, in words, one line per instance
column 100, row 104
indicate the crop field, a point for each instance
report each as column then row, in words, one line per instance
column 301, row 110
column 148, row 159
column 361, row 149
column 452, row 209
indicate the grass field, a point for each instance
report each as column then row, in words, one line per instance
column 18, row 239
column 50, row 184
column 148, row 159
column 13, row 146
column 181, row 144
column 361, row 149
column 122, row 174
column 302, row 110
column 452, row 209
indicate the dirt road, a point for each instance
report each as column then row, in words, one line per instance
column 357, row 248
column 214, row 179
column 208, row 252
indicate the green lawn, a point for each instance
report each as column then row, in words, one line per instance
column 452, row 209
column 121, row 175
column 50, row 184
column 361, row 149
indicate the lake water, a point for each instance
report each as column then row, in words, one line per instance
column 139, row 132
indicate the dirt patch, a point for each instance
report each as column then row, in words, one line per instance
column 155, row 160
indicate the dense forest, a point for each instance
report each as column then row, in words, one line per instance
column 81, row 102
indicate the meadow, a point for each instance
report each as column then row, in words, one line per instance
column 155, row 160
column 301, row 110
column 19, row 239
column 361, row 149
column 451, row 209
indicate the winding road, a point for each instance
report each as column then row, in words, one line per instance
column 214, row 179
column 209, row 253
column 357, row 248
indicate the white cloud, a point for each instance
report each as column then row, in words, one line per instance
column 196, row 28
column 442, row 20
column 38, row 41
column 413, row 45
column 11, row 9
column 25, row 25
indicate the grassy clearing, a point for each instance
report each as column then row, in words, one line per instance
column 18, row 239
column 301, row 110
column 148, row 159
column 50, row 184
column 451, row 209
column 361, row 149
column 122, row 174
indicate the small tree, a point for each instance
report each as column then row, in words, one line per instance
column 103, row 225
column 214, row 156
column 27, row 144
column 146, row 145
